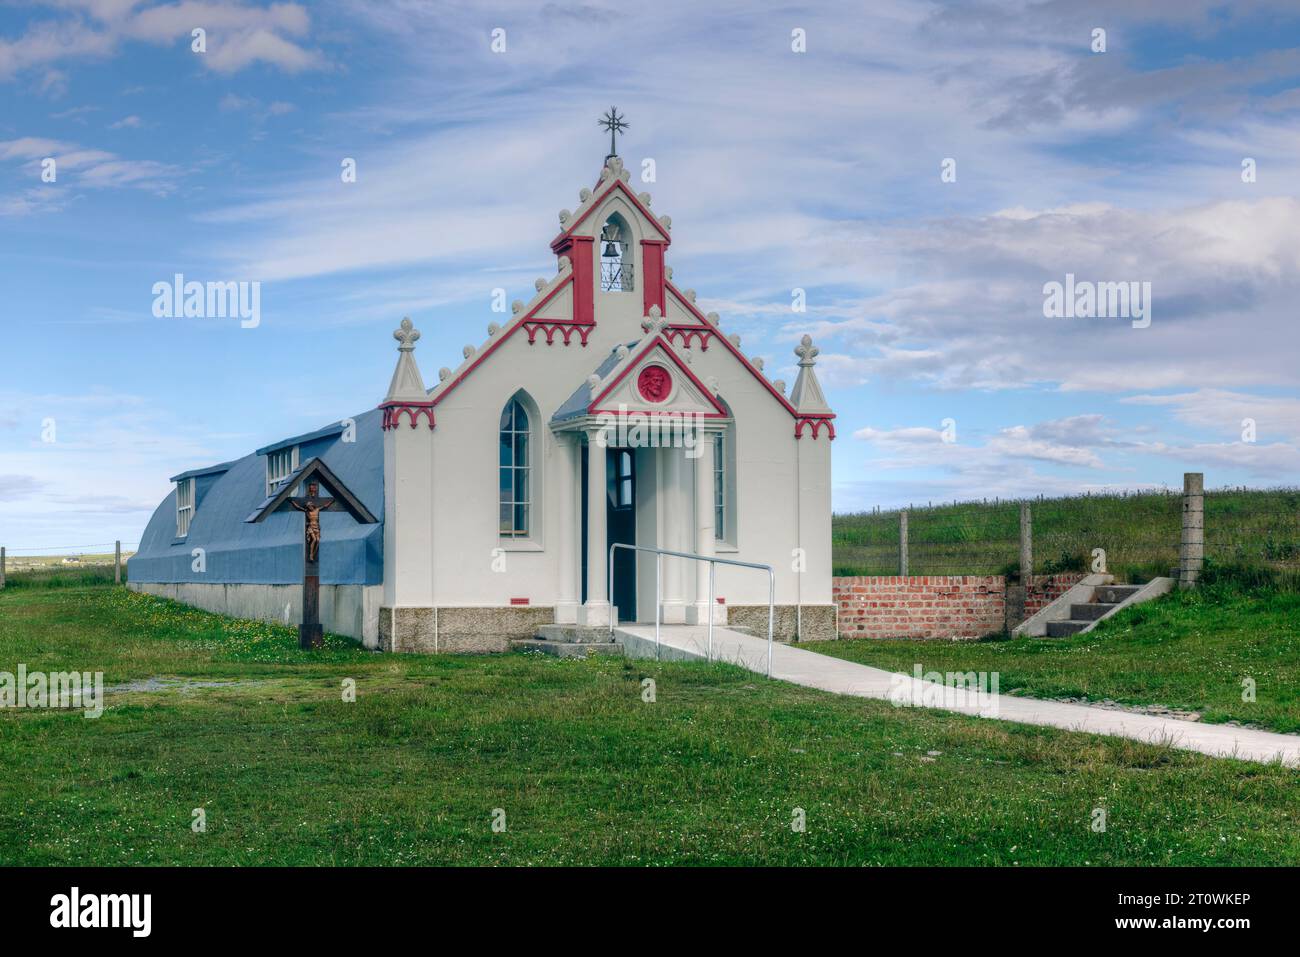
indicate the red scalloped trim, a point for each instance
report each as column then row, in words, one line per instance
column 566, row 327
column 815, row 422
column 687, row 333
column 393, row 413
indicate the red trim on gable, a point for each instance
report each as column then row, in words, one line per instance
column 600, row 198
column 690, row 332
column 815, row 422
column 660, row 343
column 690, row 307
column 413, row 409
column 516, row 324
column 567, row 327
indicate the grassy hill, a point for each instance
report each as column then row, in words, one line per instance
column 1250, row 532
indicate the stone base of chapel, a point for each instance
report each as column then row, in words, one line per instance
column 458, row 630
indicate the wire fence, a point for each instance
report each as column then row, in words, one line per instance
column 64, row 565
column 1138, row 532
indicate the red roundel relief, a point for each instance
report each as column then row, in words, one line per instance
column 654, row 383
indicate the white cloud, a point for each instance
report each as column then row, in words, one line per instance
column 238, row 35
column 89, row 169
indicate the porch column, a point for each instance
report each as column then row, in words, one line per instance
column 569, row 487
column 703, row 527
column 596, row 610
column 677, row 511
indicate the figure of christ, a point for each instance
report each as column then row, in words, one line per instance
column 311, row 507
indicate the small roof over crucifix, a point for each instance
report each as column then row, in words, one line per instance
column 614, row 122
column 318, row 472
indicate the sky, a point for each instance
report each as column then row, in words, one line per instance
column 922, row 171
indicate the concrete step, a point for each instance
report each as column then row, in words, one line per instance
column 573, row 634
column 1061, row 629
column 568, row 649
column 1113, row 594
column 1089, row 611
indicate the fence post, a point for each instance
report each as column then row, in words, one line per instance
column 117, row 562
column 2, row 566
column 1026, row 545
column 902, row 543
column 1191, row 551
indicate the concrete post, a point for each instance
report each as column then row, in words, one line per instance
column 1026, row 545
column 902, row 543
column 1191, row 551
column 2, row 566
column 117, row 562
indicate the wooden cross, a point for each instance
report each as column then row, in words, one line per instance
column 310, row 632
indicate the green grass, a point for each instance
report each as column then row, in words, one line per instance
column 1258, row 529
column 1188, row 650
column 586, row 771
column 61, row 576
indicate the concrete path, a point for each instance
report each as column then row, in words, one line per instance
column 687, row 642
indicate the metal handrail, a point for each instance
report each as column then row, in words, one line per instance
column 713, row 563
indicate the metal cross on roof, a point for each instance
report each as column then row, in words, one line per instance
column 613, row 121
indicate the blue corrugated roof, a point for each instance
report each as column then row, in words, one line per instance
column 333, row 429
column 270, row 552
column 210, row 470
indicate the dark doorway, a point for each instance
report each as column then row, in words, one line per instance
column 620, row 524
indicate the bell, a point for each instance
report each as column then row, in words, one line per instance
column 611, row 251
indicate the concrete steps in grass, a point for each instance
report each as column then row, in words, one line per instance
column 570, row 641
column 1091, row 601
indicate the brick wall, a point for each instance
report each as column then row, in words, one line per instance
column 934, row 606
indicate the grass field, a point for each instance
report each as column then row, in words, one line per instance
column 585, row 770
column 1189, row 651
column 1250, row 529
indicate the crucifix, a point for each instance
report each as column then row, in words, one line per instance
column 310, row 632
column 315, row 472
column 613, row 121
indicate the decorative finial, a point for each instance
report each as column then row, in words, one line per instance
column 406, row 336
column 806, row 351
column 655, row 322
column 614, row 122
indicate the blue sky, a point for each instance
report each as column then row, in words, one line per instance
column 817, row 170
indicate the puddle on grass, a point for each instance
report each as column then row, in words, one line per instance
column 183, row 685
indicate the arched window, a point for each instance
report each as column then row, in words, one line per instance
column 616, row 255
column 515, row 468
